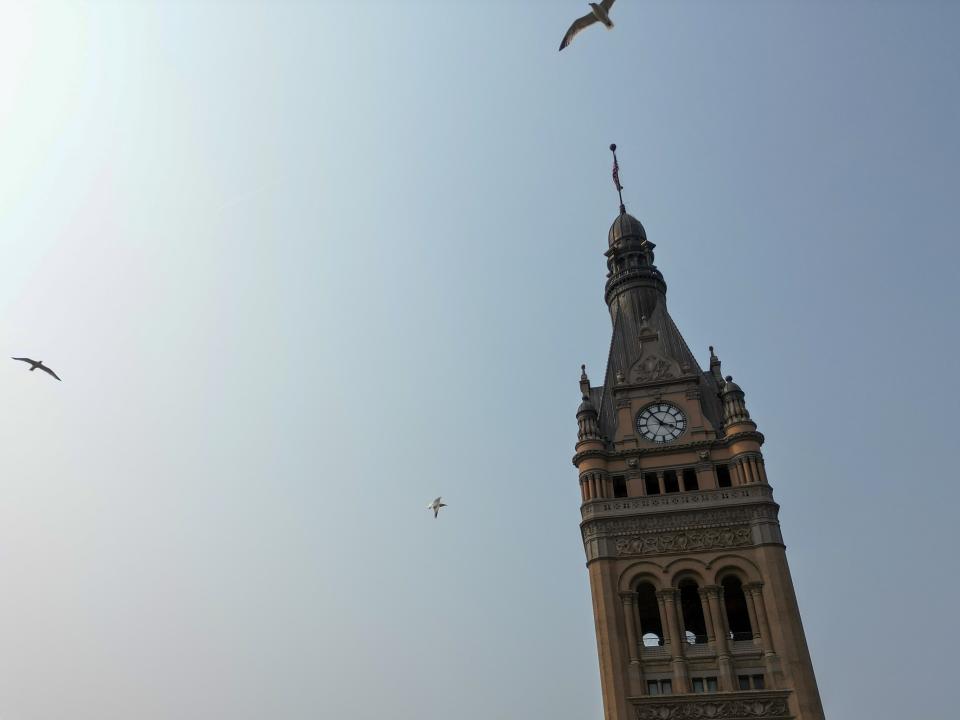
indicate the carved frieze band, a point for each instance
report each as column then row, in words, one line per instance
column 714, row 517
column 685, row 540
column 726, row 709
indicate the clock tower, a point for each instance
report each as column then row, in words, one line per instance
column 695, row 611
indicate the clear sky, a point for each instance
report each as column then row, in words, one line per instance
column 304, row 266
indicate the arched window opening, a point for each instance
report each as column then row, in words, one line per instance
column 738, row 618
column 651, row 484
column 694, row 624
column 670, row 483
column 651, row 629
column 619, row 486
column 723, row 476
column 690, row 480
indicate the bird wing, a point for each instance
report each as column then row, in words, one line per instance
column 50, row 372
column 578, row 25
column 24, row 360
column 607, row 4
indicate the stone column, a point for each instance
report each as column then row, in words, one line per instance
column 631, row 619
column 668, row 598
column 763, row 470
column 664, row 625
column 706, row 477
column 752, row 612
column 721, row 645
column 760, row 610
column 635, row 671
column 770, row 660
column 663, row 488
column 708, row 617
column 739, row 477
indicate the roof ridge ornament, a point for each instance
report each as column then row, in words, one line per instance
column 584, row 383
column 616, row 178
column 715, row 368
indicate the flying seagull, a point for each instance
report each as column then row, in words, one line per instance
column 598, row 13
column 436, row 505
column 34, row 364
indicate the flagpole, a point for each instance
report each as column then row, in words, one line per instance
column 616, row 178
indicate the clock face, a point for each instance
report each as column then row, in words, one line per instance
column 661, row 423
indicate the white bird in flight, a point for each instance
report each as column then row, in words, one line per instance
column 598, row 13
column 436, row 505
column 38, row 364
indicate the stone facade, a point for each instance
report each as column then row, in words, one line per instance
column 695, row 610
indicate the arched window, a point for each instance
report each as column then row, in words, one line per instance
column 738, row 618
column 694, row 625
column 651, row 629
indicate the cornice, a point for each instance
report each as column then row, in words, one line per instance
column 753, row 494
column 681, row 523
column 723, row 442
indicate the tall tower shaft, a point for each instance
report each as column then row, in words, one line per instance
column 695, row 610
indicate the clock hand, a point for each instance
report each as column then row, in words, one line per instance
column 665, row 422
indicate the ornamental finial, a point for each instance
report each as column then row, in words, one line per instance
column 616, row 178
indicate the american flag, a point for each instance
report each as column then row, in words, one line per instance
column 616, row 174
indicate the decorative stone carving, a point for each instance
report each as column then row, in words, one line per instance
column 732, row 709
column 651, row 369
column 688, row 540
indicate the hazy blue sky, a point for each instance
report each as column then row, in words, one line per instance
column 304, row 266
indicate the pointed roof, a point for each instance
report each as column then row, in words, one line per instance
column 646, row 346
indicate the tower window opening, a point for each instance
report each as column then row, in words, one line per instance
column 651, row 484
column 694, row 624
column 651, row 628
column 704, row 684
column 670, row 483
column 659, row 687
column 750, row 682
column 738, row 619
column 723, row 476
column 690, row 480
column 619, row 486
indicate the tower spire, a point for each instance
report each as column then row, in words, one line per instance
column 616, row 178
